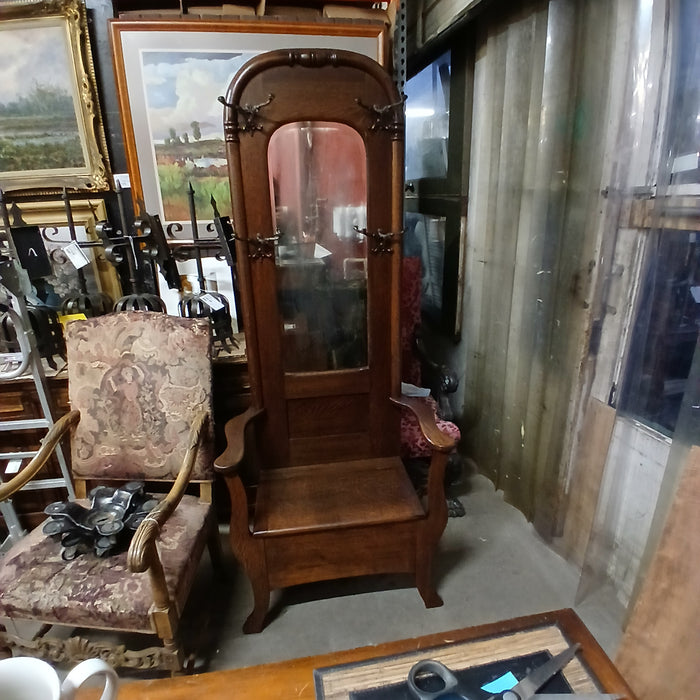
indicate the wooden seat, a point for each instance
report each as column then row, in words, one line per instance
column 318, row 489
column 333, row 496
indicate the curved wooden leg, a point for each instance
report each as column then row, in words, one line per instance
column 430, row 531
column 261, row 596
column 250, row 553
column 424, row 581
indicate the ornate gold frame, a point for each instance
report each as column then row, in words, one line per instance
column 95, row 173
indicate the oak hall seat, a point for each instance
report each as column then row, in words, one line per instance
column 318, row 490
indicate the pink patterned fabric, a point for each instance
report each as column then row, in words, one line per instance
column 410, row 318
column 413, row 443
column 138, row 379
column 90, row 591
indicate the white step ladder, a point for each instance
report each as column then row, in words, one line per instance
column 12, row 462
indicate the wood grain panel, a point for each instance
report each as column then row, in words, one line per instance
column 592, row 451
column 328, row 415
column 659, row 650
column 335, row 496
column 354, row 381
column 333, row 448
column 331, row 555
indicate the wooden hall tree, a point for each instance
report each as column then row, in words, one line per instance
column 315, row 151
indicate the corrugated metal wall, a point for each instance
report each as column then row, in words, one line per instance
column 533, row 230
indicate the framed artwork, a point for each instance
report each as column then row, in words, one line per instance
column 52, row 220
column 169, row 76
column 51, row 133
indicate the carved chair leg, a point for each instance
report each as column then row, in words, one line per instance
column 175, row 656
column 424, row 579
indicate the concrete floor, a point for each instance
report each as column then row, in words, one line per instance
column 491, row 566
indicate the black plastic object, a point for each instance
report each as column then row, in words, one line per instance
column 104, row 528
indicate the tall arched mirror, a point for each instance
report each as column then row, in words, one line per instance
column 318, row 186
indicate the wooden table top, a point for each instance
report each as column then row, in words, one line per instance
column 295, row 678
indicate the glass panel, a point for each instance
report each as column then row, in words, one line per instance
column 427, row 120
column 318, row 182
column 684, row 116
column 424, row 236
column 665, row 333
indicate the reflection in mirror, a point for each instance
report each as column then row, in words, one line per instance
column 318, row 183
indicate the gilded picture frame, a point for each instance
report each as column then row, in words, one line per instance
column 169, row 75
column 51, row 130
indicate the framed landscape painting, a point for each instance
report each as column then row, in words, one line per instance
column 169, row 76
column 51, row 133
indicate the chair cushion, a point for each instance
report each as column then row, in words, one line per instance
column 413, row 443
column 138, row 379
column 95, row 592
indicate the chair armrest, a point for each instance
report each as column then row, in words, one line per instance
column 426, row 419
column 142, row 552
column 228, row 461
column 48, row 445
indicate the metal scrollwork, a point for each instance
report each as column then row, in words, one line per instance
column 382, row 241
column 248, row 114
column 259, row 247
column 386, row 117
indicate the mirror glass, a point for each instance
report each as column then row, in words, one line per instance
column 318, row 183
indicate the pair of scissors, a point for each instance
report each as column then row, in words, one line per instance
column 525, row 690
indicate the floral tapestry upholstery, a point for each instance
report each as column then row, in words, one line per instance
column 410, row 318
column 413, row 443
column 138, row 379
column 100, row 592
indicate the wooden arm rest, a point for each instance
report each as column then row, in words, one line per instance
column 48, row 445
column 227, row 462
column 428, row 425
column 142, row 550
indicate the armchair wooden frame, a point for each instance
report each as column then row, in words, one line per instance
column 329, row 497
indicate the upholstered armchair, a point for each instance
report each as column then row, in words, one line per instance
column 139, row 387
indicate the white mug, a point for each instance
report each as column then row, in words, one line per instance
column 27, row 678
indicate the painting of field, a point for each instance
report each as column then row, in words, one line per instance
column 38, row 124
column 185, row 123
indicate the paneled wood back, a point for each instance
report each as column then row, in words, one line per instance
column 318, row 413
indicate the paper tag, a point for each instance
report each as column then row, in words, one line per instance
column 123, row 180
column 212, row 302
column 321, row 252
column 500, row 685
column 13, row 466
column 413, row 390
column 76, row 255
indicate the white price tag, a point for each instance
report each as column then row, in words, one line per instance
column 76, row 255
column 13, row 466
column 320, row 251
column 212, row 302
